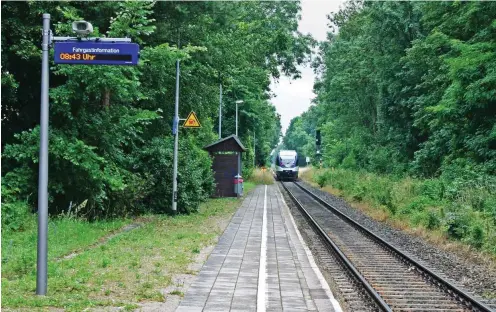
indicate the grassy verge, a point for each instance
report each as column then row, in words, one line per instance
column 131, row 267
column 248, row 186
column 430, row 207
column 64, row 237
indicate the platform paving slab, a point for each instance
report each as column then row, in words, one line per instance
column 239, row 265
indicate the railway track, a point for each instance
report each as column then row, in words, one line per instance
column 394, row 280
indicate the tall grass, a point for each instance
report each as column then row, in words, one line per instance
column 260, row 176
column 460, row 211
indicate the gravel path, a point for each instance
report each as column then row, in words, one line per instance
column 476, row 278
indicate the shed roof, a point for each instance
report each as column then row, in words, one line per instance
column 233, row 138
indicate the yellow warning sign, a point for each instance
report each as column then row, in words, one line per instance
column 192, row 121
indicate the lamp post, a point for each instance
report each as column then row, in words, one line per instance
column 237, row 102
column 176, row 142
column 42, row 251
column 254, row 148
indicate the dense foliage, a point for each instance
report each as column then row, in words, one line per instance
column 110, row 138
column 460, row 210
column 409, row 88
column 406, row 87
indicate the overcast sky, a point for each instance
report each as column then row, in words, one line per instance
column 293, row 97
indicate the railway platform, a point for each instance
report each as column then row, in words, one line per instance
column 260, row 263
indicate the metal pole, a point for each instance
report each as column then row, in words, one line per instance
column 236, row 118
column 220, row 111
column 176, row 139
column 254, row 148
column 41, row 265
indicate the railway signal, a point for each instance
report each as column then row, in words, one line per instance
column 318, row 143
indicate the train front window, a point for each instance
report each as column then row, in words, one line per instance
column 287, row 161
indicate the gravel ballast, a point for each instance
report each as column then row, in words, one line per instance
column 339, row 280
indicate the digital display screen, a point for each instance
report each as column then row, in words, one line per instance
column 95, row 57
column 96, row 53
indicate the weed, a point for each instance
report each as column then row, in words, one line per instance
column 105, row 262
column 157, row 271
column 180, row 236
column 476, row 236
column 130, row 307
column 457, row 224
column 177, row 293
column 133, row 264
column 433, row 220
column 321, row 180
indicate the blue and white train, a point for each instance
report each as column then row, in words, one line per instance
column 286, row 165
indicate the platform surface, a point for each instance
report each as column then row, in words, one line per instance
column 260, row 263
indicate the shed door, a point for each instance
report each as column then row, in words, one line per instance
column 225, row 167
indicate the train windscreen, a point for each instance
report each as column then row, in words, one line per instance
column 288, row 161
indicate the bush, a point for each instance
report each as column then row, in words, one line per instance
column 457, row 224
column 381, row 191
column 76, row 173
column 429, row 219
column 418, row 204
column 385, row 160
column 247, row 172
column 432, row 188
column 476, row 235
column 321, row 179
column 490, row 209
column 349, row 162
column 15, row 212
column 15, row 216
column 117, row 185
column 433, row 220
column 195, row 178
column 359, row 192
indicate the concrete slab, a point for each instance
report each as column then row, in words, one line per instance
column 260, row 263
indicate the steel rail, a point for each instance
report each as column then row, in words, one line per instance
column 372, row 292
column 451, row 289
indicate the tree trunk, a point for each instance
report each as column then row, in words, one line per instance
column 106, row 98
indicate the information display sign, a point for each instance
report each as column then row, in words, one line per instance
column 96, row 53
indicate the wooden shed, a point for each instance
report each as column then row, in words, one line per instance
column 226, row 163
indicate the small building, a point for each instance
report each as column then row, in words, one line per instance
column 226, row 164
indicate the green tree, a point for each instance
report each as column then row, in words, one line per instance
column 407, row 87
column 110, row 139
